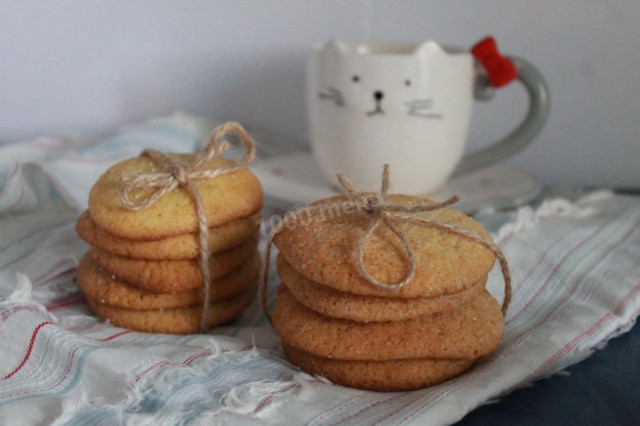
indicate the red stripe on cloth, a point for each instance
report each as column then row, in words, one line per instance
column 45, row 228
column 64, row 304
column 336, row 409
column 344, row 419
column 56, row 182
column 29, row 349
column 271, row 398
column 553, row 271
column 154, row 366
column 44, row 276
column 163, row 363
column 122, row 333
column 19, row 199
column 187, row 361
column 66, row 374
column 568, row 347
column 85, row 327
column 573, row 343
column 10, row 178
column 5, row 316
column 623, row 302
column 523, row 335
column 64, row 192
column 577, row 286
column 421, row 407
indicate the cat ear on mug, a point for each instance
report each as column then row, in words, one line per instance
column 335, row 46
column 426, row 49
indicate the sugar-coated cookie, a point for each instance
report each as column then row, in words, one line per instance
column 166, row 276
column 173, row 321
column 387, row 376
column 323, row 248
column 185, row 246
column 338, row 304
column 226, row 198
column 97, row 284
column 469, row 332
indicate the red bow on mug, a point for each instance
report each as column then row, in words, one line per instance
column 501, row 70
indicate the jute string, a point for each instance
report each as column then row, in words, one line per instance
column 174, row 175
column 389, row 215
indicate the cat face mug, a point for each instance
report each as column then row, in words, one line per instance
column 409, row 106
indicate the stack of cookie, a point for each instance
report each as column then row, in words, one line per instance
column 142, row 270
column 335, row 323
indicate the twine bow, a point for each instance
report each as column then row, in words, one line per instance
column 174, row 175
column 387, row 214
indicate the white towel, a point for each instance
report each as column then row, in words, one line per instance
column 575, row 271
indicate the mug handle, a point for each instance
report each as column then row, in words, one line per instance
column 521, row 136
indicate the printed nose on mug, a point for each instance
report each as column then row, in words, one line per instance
column 378, row 95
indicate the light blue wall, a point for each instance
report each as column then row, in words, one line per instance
column 93, row 66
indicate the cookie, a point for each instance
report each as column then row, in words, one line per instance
column 172, row 321
column 338, row 304
column 323, row 248
column 185, row 246
column 166, row 276
column 97, row 284
column 468, row 332
column 386, row 376
column 225, row 198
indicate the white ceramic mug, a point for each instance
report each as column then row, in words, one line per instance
column 408, row 106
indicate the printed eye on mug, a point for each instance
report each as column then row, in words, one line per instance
column 410, row 106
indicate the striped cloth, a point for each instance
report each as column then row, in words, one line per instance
column 575, row 266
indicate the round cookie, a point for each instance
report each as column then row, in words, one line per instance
column 166, row 276
column 97, row 284
column 338, row 304
column 225, row 198
column 323, row 248
column 185, row 246
column 469, row 332
column 385, row 376
column 172, row 321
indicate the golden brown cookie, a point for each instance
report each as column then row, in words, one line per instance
column 166, row 276
column 386, row 376
column 339, row 304
column 225, row 198
column 323, row 248
column 173, row 321
column 469, row 332
column 185, row 246
column 97, row 284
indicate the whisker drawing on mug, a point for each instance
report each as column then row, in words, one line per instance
column 421, row 114
column 376, row 111
column 332, row 94
column 422, row 108
column 420, row 103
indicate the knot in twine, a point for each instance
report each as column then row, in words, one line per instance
column 174, row 175
column 387, row 214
